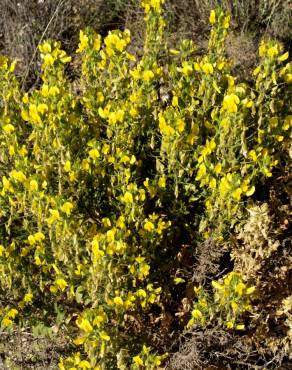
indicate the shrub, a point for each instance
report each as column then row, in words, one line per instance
column 101, row 187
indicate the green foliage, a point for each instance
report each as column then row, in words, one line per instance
column 98, row 184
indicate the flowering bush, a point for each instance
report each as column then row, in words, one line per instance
column 100, row 187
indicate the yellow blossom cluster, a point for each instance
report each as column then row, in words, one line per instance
column 230, row 299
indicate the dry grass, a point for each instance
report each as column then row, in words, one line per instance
column 24, row 24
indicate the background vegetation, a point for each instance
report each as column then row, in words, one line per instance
column 26, row 23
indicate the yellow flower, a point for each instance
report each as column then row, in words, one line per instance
column 24, row 115
column 240, row 288
column 144, row 269
column 37, row 260
column 197, row 67
column 212, row 18
column 53, row 288
column 48, row 60
column 28, row 297
column 197, row 314
column 212, row 183
column 218, row 168
column 208, row 68
column 252, row 155
column 273, row 51
column 229, row 325
column 216, row 285
column 12, row 313
column 121, row 222
column 262, row 49
column 234, row 306
column 97, row 43
column 104, row 113
column 180, row 125
column 64, row 58
column 42, row 108
column 154, row 5
column 22, row 151
column 84, row 324
column 133, row 112
column 135, row 73
column 225, row 123
column 149, row 226
column 61, row 283
column 33, row 113
column 164, row 127
column 237, row 194
column 31, row 239
column 67, row 166
column 33, row 185
column 230, row 103
column 94, row 153
column 115, row 117
column 226, row 22
column 201, row 172
column 53, row 91
column 125, row 159
column 85, row 165
column 67, row 208
column 146, row 349
column 39, row 236
column 7, row 185
column 18, row 175
column 84, row 365
column 162, row 182
column 45, row 48
column 118, row 301
column 186, row 68
column 95, row 249
column 138, row 361
column 141, row 293
column 209, row 147
column 9, row 128
column 83, row 44
column 2, row 249
column 110, row 235
column 127, row 198
column 44, row 92
column 103, row 335
column 98, row 320
column 148, row 75
column 106, row 222
column 250, row 290
column 174, row 101
column 6, row 323
column 55, row 216
column 100, row 97
column 287, row 123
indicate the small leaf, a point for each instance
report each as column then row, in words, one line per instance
column 250, row 191
column 283, row 57
column 178, row 280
